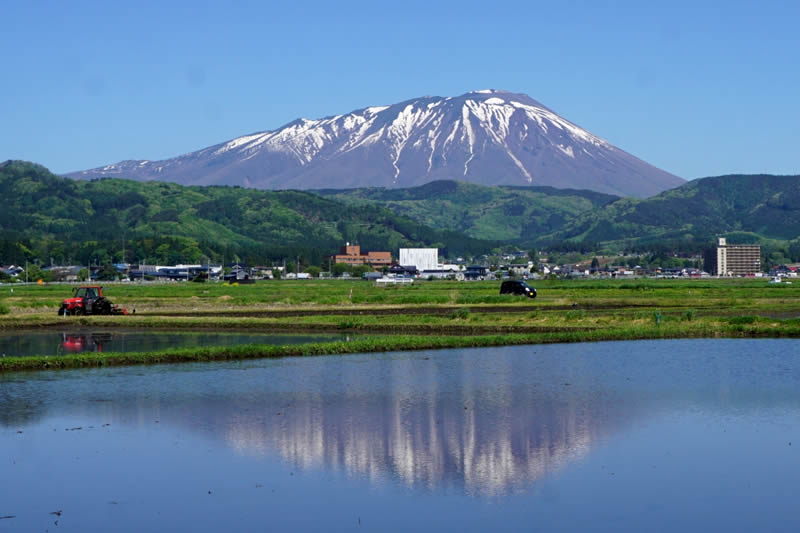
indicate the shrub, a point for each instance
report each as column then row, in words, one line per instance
column 313, row 271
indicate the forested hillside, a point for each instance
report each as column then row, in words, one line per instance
column 744, row 208
column 47, row 217
column 513, row 214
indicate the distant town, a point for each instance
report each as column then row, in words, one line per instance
column 722, row 260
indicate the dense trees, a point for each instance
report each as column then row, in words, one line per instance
column 46, row 218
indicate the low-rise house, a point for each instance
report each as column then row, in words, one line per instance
column 175, row 273
column 476, row 272
column 404, row 270
column 520, row 269
column 171, row 273
column 783, row 271
column 65, row 273
column 693, row 272
column 237, row 273
column 12, row 270
column 261, row 271
column 442, row 274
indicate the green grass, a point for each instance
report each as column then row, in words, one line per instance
column 460, row 314
column 447, row 313
column 675, row 329
column 695, row 294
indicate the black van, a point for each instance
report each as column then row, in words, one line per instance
column 517, row 287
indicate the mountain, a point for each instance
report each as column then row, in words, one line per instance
column 504, row 213
column 486, row 137
column 746, row 208
column 45, row 216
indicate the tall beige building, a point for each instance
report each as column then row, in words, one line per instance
column 733, row 259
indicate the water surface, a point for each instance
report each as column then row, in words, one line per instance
column 64, row 342
column 688, row 435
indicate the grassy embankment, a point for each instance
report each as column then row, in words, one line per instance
column 441, row 314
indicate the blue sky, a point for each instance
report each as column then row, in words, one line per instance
column 695, row 88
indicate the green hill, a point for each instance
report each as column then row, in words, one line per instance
column 745, row 208
column 47, row 217
column 505, row 213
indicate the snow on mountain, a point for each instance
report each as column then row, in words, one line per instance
column 488, row 137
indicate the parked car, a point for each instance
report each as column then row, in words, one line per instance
column 517, row 287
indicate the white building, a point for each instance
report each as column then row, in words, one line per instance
column 422, row 258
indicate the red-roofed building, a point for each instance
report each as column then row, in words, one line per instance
column 350, row 254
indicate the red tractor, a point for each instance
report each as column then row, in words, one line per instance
column 89, row 300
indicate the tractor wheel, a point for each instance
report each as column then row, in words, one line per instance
column 62, row 311
column 102, row 307
column 77, row 311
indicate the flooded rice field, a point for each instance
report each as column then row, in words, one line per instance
column 55, row 343
column 678, row 435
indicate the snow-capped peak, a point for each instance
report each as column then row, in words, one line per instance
column 487, row 136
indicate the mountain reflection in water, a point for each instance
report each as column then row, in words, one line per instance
column 485, row 425
column 489, row 441
column 673, row 435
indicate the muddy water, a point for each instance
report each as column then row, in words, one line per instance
column 54, row 343
column 684, row 435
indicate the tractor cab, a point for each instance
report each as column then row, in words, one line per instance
column 83, row 300
column 90, row 292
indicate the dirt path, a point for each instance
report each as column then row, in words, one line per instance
column 383, row 311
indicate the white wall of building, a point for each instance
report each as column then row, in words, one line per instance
column 722, row 259
column 422, row 258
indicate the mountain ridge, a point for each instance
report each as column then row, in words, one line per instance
column 488, row 137
column 749, row 207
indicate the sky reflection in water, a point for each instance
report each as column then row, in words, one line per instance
column 656, row 435
column 71, row 341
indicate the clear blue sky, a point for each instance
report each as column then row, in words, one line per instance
column 696, row 88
